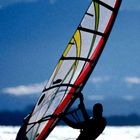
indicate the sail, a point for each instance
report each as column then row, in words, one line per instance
column 74, row 67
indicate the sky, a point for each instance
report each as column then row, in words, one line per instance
column 33, row 35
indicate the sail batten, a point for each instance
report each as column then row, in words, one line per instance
column 89, row 14
column 77, row 58
column 60, row 85
column 91, row 31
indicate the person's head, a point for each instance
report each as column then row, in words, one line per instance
column 97, row 110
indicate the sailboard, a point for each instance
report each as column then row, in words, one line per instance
column 73, row 69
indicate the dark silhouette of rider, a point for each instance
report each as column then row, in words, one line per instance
column 90, row 128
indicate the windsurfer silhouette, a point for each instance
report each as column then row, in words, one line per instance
column 91, row 127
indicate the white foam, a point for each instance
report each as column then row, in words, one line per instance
column 67, row 133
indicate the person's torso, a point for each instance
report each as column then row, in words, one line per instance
column 92, row 129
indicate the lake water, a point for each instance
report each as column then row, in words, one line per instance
column 67, row 133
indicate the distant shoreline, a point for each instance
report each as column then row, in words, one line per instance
column 15, row 119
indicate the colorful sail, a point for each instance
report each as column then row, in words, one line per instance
column 74, row 68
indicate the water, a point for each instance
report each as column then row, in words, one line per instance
column 67, row 133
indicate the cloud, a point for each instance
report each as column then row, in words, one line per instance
column 24, row 89
column 5, row 3
column 95, row 97
column 132, row 80
column 100, row 80
column 128, row 98
column 52, row 1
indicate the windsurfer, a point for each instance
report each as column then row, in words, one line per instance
column 90, row 128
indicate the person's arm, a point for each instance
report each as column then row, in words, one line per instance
column 82, row 107
column 72, row 124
